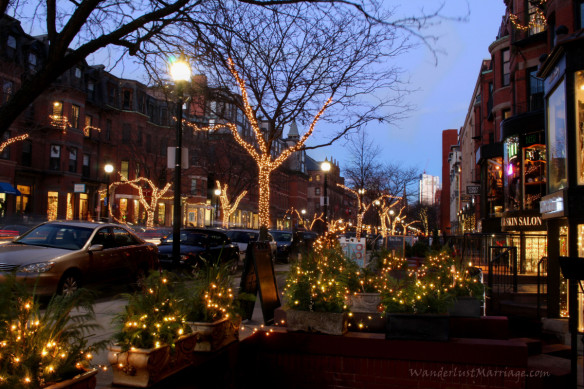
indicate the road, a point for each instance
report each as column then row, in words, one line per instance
column 110, row 304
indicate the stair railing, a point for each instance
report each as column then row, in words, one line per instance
column 502, row 269
column 541, row 264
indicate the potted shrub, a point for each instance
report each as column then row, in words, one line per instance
column 469, row 292
column 211, row 308
column 153, row 340
column 46, row 348
column 315, row 292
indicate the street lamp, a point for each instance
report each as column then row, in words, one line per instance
column 325, row 167
column 108, row 168
column 180, row 72
column 377, row 219
column 217, row 193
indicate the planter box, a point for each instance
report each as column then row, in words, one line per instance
column 404, row 326
column 85, row 380
column 141, row 368
column 216, row 335
column 364, row 302
column 466, row 306
column 322, row 322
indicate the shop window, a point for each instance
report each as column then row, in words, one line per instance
column 70, row 206
column 512, row 175
column 23, row 206
column 26, row 156
column 505, row 67
column 581, row 14
column 85, row 169
column 495, row 186
column 75, row 116
column 161, row 214
column 556, row 136
column 73, row 160
column 55, row 160
column 534, row 180
column 52, row 205
column 579, row 91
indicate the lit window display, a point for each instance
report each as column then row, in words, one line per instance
column 556, row 127
column 70, row 206
column 579, row 92
column 535, row 173
column 495, row 186
column 161, row 214
column 52, row 205
column 512, row 174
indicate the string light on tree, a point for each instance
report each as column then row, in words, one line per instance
column 262, row 155
column 228, row 209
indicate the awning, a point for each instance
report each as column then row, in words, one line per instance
column 8, row 189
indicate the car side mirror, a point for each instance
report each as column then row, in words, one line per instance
column 95, row 247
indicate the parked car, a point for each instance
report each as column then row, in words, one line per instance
column 197, row 244
column 59, row 257
column 10, row 231
column 243, row 236
column 152, row 234
column 283, row 244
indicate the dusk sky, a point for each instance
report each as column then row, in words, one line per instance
column 444, row 90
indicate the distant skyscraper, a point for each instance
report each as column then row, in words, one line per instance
column 428, row 187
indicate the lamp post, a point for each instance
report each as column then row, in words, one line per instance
column 378, row 218
column 181, row 74
column 303, row 212
column 217, row 193
column 325, row 167
column 108, row 168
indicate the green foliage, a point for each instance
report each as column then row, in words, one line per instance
column 43, row 346
column 319, row 281
column 153, row 315
column 209, row 296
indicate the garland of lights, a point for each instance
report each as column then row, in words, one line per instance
column 87, row 130
column 383, row 215
column 12, row 140
column 538, row 19
column 228, row 209
column 61, row 122
column 263, row 157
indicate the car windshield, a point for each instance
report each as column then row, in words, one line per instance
column 58, row 236
column 188, row 238
column 282, row 236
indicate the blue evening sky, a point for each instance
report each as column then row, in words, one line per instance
column 444, row 90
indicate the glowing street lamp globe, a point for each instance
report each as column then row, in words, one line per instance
column 217, row 192
column 108, row 168
column 180, row 70
column 325, row 166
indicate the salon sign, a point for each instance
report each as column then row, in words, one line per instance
column 521, row 222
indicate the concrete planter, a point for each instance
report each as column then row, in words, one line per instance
column 404, row 326
column 321, row 322
column 141, row 368
column 466, row 306
column 216, row 335
column 85, row 380
column 364, row 302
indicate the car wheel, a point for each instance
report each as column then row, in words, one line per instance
column 69, row 283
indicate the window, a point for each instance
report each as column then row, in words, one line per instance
column 506, row 69
column 91, row 89
column 7, row 89
column 73, row 160
column 536, row 20
column 139, row 136
column 11, row 42
column 125, row 169
column 317, row 191
column 127, row 99
column 111, row 96
column 32, row 61
column 317, row 177
column 57, row 109
column 556, row 139
column 126, row 132
column 85, row 169
column 581, row 8
column 55, row 161
column 108, row 129
column 75, row 116
column 193, row 186
column 52, row 205
column 88, row 125
column 26, row 153
column 78, row 73
column 137, row 170
column 535, row 89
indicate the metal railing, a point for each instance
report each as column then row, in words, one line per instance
column 502, row 276
column 541, row 286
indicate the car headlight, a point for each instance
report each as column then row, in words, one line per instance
column 40, row 267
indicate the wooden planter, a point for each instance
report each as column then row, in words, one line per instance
column 321, row 322
column 85, row 380
column 466, row 306
column 141, row 368
column 364, row 302
column 216, row 335
column 404, row 326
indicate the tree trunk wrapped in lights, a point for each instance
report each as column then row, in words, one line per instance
column 157, row 194
column 262, row 155
column 228, row 209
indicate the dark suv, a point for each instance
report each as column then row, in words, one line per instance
column 198, row 244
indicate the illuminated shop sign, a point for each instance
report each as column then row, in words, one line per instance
column 521, row 221
column 552, row 205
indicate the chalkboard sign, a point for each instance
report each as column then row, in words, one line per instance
column 258, row 275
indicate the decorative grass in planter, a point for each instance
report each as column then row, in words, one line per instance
column 45, row 348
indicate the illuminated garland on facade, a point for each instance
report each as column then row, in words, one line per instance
column 12, row 140
column 228, row 209
column 87, row 130
column 60, row 121
column 263, row 157
column 537, row 20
